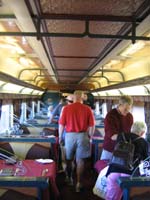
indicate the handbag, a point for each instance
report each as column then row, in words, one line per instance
column 123, row 154
column 100, row 187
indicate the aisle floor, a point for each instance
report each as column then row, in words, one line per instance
column 68, row 192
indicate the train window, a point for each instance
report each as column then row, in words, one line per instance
column 6, row 121
column 138, row 112
column 104, row 110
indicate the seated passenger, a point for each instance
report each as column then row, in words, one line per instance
column 114, row 192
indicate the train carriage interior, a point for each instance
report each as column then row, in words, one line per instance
column 48, row 50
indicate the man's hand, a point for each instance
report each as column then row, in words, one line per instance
column 61, row 141
column 114, row 137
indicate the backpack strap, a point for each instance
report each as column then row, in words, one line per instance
column 125, row 139
column 123, row 136
column 136, row 139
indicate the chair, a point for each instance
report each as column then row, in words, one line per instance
column 50, row 131
column 15, row 195
column 100, row 164
column 6, row 149
column 38, row 151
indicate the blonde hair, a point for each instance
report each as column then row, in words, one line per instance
column 125, row 99
column 79, row 93
column 138, row 127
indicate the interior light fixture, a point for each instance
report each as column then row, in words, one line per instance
column 134, row 91
column 26, row 91
column 10, row 40
column 11, row 23
column 112, row 62
column 2, row 83
column 140, row 90
column 11, row 88
column 35, row 92
column 12, row 47
column 133, row 48
column 24, row 61
column 95, row 94
column 40, row 92
column 24, row 41
column 15, row 89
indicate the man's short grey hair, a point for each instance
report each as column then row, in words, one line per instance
column 79, row 93
column 138, row 127
column 125, row 99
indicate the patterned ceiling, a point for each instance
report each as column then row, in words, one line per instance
column 78, row 35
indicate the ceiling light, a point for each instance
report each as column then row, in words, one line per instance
column 23, row 61
column 114, row 92
column 2, row 83
column 11, row 23
column 26, row 91
column 134, row 90
column 112, row 62
column 35, row 92
column 139, row 90
column 12, row 48
column 12, row 88
column 10, row 40
column 95, row 94
column 133, row 48
column 24, row 41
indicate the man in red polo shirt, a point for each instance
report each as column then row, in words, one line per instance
column 78, row 120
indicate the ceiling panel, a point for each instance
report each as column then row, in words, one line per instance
column 67, row 42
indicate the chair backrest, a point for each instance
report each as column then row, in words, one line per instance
column 6, row 149
column 38, row 151
column 15, row 195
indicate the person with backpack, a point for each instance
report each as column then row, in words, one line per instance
column 114, row 192
column 117, row 120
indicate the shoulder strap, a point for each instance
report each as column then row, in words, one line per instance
column 123, row 136
column 119, row 119
column 136, row 138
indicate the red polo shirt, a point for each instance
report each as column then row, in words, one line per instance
column 77, row 117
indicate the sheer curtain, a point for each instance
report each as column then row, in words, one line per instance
column 6, row 120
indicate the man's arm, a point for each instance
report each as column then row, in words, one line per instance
column 60, row 129
column 91, row 130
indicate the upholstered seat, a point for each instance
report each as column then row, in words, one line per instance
column 38, row 151
column 6, row 149
column 100, row 164
column 15, row 195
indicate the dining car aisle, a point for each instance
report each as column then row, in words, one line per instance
column 68, row 192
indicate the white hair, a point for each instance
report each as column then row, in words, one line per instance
column 138, row 127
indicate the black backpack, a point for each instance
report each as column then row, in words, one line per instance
column 123, row 154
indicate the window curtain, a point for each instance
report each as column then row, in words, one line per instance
column 17, row 107
column 109, row 104
column 0, row 108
